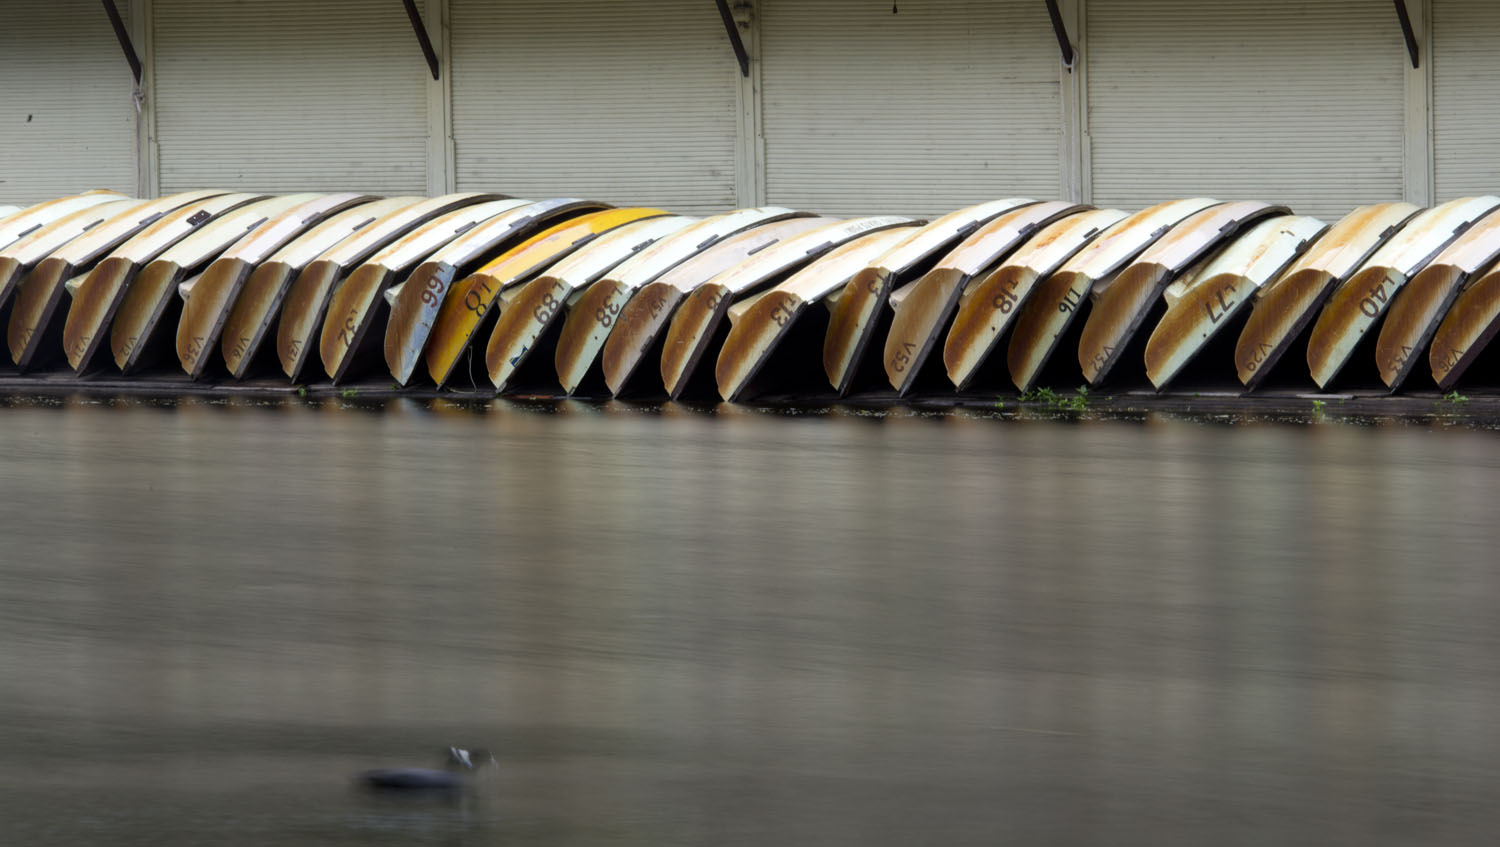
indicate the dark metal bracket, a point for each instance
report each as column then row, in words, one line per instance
column 1406, row 31
column 734, row 36
column 124, row 36
column 1063, row 43
column 421, row 30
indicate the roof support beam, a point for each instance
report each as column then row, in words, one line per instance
column 421, row 30
column 1063, row 44
column 1406, row 31
column 124, row 36
column 734, row 37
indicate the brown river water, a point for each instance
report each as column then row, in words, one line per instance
column 680, row 627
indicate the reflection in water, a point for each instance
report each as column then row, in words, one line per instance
column 674, row 627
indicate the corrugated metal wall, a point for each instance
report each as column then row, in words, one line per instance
column 1465, row 97
column 940, row 104
column 67, row 118
column 621, row 102
column 1281, row 100
column 287, row 95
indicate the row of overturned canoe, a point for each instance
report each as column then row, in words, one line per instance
column 631, row 294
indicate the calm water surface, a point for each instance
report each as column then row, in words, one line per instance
column 684, row 628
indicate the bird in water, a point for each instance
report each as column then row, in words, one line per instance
column 456, row 774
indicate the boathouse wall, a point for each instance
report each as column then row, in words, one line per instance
column 904, row 106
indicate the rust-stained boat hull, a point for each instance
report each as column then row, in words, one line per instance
column 855, row 317
column 94, row 306
column 1192, row 322
column 982, row 320
column 532, row 309
column 302, row 314
column 1044, row 319
column 204, row 313
column 412, row 315
column 1220, row 289
column 258, row 303
column 1357, row 306
column 1350, row 313
column 1117, row 314
column 990, row 304
column 468, row 305
column 690, row 334
column 46, row 239
column 634, row 332
column 31, row 315
column 1278, row 320
column 916, row 324
column 755, row 334
column 414, row 305
column 1055, row 302
column 930, row 302
column 1413, row 321
column 1122, row 306
column 1465, row 331
column 149, row 298
column 1283, row 309
column 353, row 307
column 530, row 313
column 1426, row 298
column 750, row 342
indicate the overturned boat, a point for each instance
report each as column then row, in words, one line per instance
column 214, row 294
column 927, row 304
column 1466, row 330
column 21, row 256
column 40, row 291
column 153, row 295
column 23, row 222
column 989, row 305
column 759, row 322
column 593, row 313
column 1420, row 306
column 1123, row 304
column 697, row 319
column 531, row 309
column 458, row 237
column 854, row 320
column 469, row 304
column 646, row 314
column 259, row 299
column 415, row 303
column 1199, row 308
column 98, row 294
column 1057, row 300
column 1356, row 305
column 1282, row 309
column 307, row 300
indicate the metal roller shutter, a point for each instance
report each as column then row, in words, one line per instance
column 941, row 104
column 625, row 102
column 68, row 122
column 288, row 95
column 1465, row 97
column 1280, row 100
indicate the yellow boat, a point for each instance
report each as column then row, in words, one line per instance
column 415, row 303
column 306, row 301
column 524, row 320
column 470, row 300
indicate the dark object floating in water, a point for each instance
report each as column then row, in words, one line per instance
column 454, row 776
